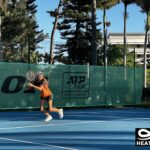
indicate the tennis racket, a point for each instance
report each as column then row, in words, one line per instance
column 30, row 75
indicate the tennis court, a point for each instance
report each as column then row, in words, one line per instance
column 98, row 128
column 74, row 86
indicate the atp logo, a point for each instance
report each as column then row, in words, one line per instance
column 75, row 85
column 77, row 81
column 142, row 137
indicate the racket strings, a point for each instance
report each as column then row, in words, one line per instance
column 31, row 76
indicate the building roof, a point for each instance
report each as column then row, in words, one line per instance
column 131, row 38
column 128, row 34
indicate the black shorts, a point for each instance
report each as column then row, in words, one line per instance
column 47, row 98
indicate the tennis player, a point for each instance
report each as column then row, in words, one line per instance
column 46, row 96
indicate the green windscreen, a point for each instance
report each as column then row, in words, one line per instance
column 72, row 85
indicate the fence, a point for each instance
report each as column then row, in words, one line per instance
column 72, row 85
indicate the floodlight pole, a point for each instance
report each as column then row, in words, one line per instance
column 134, row 74
column 134, row 56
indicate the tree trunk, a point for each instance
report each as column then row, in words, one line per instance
column 53, row 32
column 125, row 44
column 145, row 54
column 3, row 7
column 104, row 32
column 94, row 47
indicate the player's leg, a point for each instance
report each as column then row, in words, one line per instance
column 53, row 109
column 42, row 109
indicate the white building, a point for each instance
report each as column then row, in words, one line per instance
column 135, row 41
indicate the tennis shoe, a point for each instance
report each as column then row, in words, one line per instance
column 49, row 118
column 61, row 113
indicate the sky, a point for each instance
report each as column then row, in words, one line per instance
column 135, row 21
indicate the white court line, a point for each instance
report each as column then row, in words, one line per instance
column 70, row 123
column 40, row 144
column 50, row 125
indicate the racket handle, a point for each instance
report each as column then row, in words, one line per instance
column 25, row 85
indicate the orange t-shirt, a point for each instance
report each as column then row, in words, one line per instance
column 45, row 91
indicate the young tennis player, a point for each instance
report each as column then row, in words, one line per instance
column 46, row 96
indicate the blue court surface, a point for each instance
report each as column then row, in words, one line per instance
column 81, row 129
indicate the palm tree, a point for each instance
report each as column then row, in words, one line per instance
column 3, row 6
column 126, row 3
column 56, row 15
column 106, row 4
column 94, row 47
column 145, row 5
